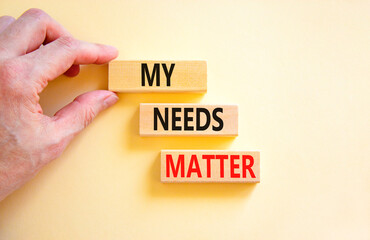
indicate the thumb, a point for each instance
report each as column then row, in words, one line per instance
column 74, row 117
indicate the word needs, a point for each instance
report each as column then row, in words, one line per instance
column 188, row 119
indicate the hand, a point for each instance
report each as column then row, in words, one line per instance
column 35, row 49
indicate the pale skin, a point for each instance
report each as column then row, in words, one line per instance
column 35, row 49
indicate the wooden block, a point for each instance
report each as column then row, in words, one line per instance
column 158, row 76
column 158, row 119
column 210, row 166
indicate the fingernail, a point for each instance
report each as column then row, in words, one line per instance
column 110, row 99
column 114, row 49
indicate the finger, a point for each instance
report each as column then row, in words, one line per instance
column 73, row 71
column 5, row 21
column 57, row 57
column 77, row 115
column 29, row 32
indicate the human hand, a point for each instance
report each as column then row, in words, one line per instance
column 35, row 49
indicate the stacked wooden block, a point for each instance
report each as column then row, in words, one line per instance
column 169, row 119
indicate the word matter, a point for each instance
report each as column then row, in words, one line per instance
column 210, row 166
column 158, row 76
column 188, row 120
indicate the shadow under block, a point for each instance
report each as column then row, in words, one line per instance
column 210, row 166
column 162, row 119
column 158, row 76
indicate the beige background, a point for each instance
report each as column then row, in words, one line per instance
column 299, row 71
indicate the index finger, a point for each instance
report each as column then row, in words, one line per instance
column 5, row 21
column 55, row 58
column 29, row 32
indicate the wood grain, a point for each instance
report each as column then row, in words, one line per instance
column 186, row 76
column 210, row 166
column 159, row 119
